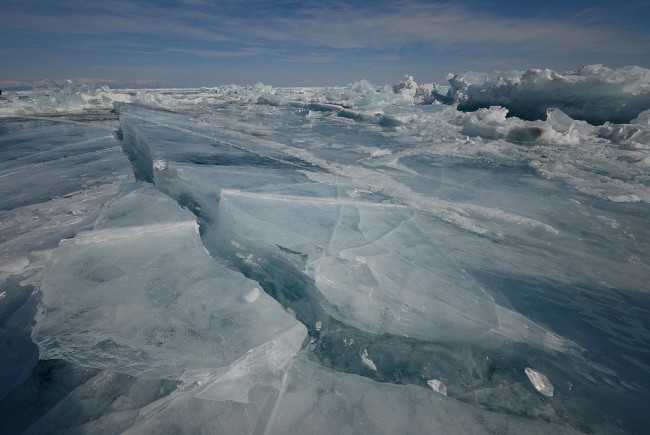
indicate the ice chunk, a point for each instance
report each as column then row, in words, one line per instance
column 367, row 361
column 493, row 123
column 373, row 264
column 437, row 386
column 540, row 382
column 139, row 294
column 159, row 165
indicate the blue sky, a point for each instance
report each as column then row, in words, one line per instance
column 206, row 43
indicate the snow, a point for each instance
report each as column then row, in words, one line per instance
column 327, row 260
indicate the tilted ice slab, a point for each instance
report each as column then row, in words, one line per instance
column 377, row 265
column 374, row 263
column 140, row 295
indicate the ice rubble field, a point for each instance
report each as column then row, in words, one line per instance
column 362, row 259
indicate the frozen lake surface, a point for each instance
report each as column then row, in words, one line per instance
column 358, row 259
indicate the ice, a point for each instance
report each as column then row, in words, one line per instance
column 374, row 265
column 540, row 382
column 55, row 173
column 313, row 400
column 263, row 365
column 367, row 361
column 319, row 401
column 252, row 295
column 113, row 296
column 13, row 265
column 593, row 93
column 325, row 260
column 437, row 386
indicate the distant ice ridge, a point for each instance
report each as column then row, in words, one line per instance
column 593, row 93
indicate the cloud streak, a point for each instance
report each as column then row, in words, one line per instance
column 342, row 27
column 444, row 26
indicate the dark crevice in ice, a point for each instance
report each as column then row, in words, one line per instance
column 140, row 157
column 280, row 275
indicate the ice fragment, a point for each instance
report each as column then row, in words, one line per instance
column 252, row 295
column 540, row 382
column 159, row 165
column 367, row 361
column 437, row 386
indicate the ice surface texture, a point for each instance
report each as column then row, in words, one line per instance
column 358, row 259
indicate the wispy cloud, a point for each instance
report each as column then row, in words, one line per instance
column 340, row 27
column 247, row 52
column 442, row 25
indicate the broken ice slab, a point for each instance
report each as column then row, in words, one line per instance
column 540, row 382
column 140, row 295
column 380, row 267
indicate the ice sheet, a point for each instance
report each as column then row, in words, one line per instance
column 304, row 256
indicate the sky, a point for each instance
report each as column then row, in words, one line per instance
column 189, row 43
